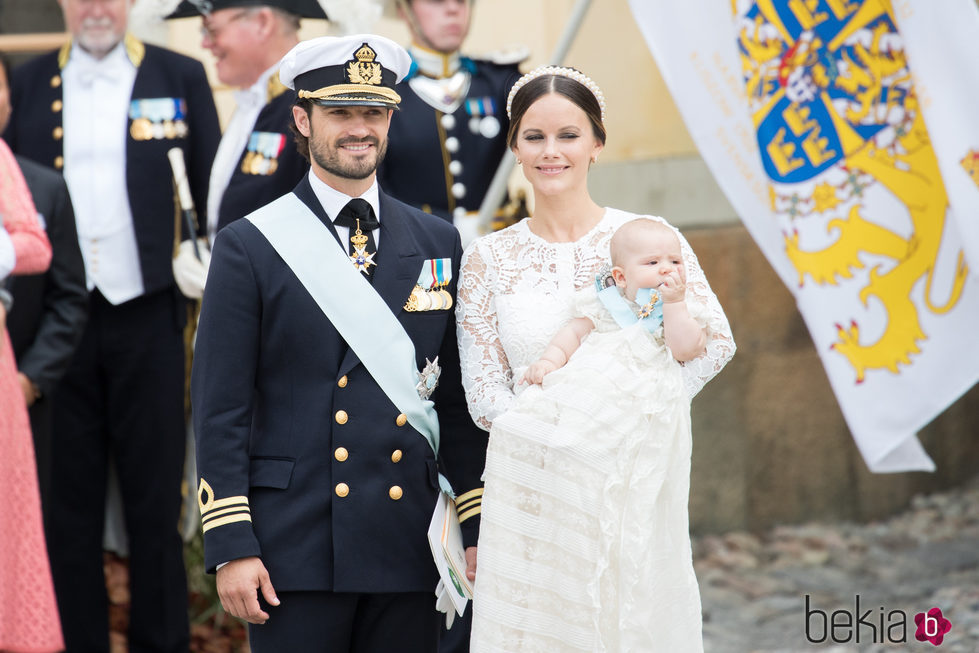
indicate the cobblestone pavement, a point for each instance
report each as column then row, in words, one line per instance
column 754, row 588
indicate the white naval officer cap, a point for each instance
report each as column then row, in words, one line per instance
column 354, row 70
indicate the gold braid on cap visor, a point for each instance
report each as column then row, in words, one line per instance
column 351, row 92
column 570, row 73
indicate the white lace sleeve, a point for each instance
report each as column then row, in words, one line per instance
column 720, row 342
column 486, row 374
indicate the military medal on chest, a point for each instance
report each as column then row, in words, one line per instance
column 360, row 258
column 429, row 293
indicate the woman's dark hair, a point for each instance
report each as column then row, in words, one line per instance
column 302, row 142
column 538, row 87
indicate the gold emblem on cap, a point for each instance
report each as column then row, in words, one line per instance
column 363, row 69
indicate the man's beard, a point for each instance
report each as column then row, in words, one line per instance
column 329, row 159
column 97, row 36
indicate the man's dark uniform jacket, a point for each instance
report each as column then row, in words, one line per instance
column 269, row 167
column 303, row 459
column 51, row 308
column 416, row 169
column 36, row 132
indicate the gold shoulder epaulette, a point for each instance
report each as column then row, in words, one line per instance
column 275, row 88
column 135, row 49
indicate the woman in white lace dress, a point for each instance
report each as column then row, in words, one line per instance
column 580, row 549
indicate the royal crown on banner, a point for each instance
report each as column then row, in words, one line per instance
column 855, row 183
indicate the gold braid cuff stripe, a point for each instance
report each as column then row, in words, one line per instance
column 472, row 503
column 214, row 504
column 472, row 512
column 226, row 511
column 230, row 519
column 466, row 496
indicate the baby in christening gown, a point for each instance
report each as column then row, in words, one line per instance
column 593, row 462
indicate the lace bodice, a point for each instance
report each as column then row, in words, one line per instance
column 517, row 289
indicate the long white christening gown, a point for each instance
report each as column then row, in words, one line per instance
column 584, row 541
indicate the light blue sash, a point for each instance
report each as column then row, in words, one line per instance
column 359, row 314
column 623, row 314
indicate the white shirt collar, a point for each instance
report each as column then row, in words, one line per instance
column 333, row 200
column 434, row 64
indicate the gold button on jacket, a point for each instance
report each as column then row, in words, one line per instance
column 340, row 454
column 57, row 133
column 56, row 106
column 59, row 162
column 342, row 490
column 342, row 383
column 401, row 420
column 396, row 456
column 395, row 492
column 341, row 417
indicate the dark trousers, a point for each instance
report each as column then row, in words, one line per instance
column 328, row 622
column 123, row 394
column 456, row 639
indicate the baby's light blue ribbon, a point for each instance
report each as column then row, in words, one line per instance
column 650, row 307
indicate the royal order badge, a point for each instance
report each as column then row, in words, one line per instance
column 428, row 378
column 360, row 258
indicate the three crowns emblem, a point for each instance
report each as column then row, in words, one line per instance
column 362, row 69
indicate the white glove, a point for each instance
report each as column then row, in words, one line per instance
column 190, row 273
column 443, row 603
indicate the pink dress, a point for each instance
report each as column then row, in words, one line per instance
column 28, row 612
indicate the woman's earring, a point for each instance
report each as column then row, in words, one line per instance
column 519, row 162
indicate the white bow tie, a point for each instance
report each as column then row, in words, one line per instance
column 111, row 69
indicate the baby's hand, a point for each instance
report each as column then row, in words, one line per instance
column 672, row 289
column 537, row 371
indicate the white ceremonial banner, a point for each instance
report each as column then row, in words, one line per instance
column 807, row 115
column 940, row 38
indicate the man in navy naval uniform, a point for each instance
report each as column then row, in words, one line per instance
column 257, row 159
column 318, row 479
column 450, row 135
column 104, row 110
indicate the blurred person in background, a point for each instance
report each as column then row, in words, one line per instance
column 450, row 135
column 256, row 161
column 28, row 613
column 104, row 110
column 51, row 306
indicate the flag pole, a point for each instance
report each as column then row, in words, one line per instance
column 497, row 187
